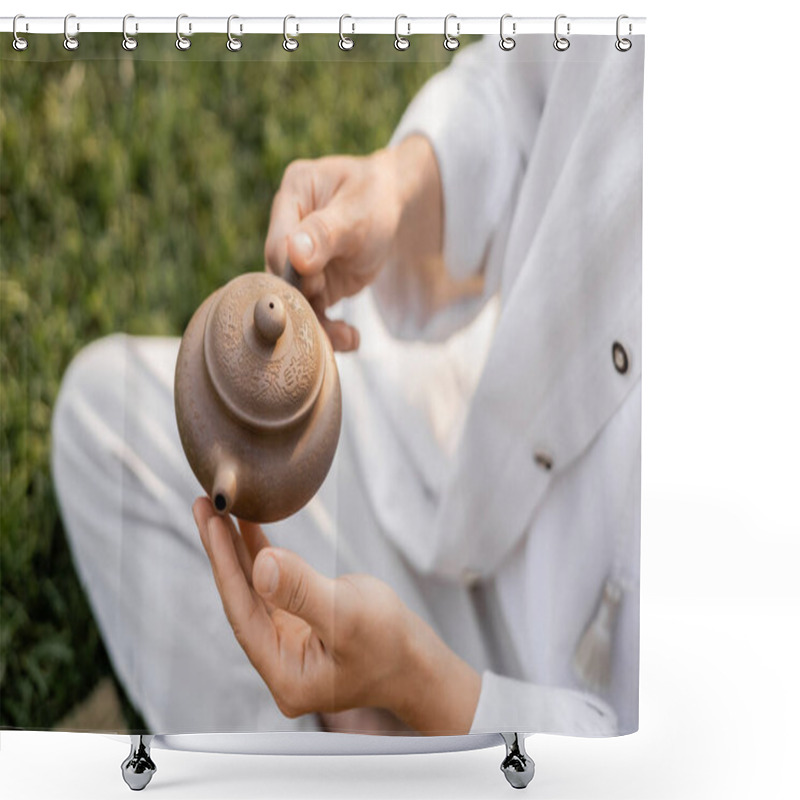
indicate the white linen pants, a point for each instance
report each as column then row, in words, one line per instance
column 125, row 491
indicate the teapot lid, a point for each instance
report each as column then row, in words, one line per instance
column 263, row 352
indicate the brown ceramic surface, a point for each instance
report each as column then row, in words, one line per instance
column 257, row 398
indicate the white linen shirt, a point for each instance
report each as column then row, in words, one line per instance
column 509, row 453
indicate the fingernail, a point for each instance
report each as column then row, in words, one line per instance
column 269, row 574
column 303, row 244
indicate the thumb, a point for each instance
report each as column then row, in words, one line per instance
column 319, row 238
column 284, row 579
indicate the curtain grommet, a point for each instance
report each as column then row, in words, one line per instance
column 401, row 43
column 623, row 45
column 234, row 43
column 507, row 43
column 345, row 42
column 290, row 43
column 181, row 41
column 561, row 43
column 451, row 42
column 128, row 42
column 19, row 43
column 70, row 42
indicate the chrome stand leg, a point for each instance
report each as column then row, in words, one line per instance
column 517, row 766
column 138, row 768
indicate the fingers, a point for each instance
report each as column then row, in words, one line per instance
column 308, row 188
column 313, row 286
column 284, row 579
column 254, row 538
column 343, row 337
column 245, row 612
column 243, row 551
column 309, row 221
column 321, row 236
column 314, row 222
column 202, row 510
column 286, row 213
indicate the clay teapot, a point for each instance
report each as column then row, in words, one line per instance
column 257, row 398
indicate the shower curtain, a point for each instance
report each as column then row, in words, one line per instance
column 467, row 227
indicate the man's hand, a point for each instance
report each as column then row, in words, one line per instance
column 339, row 219
column 326, row 645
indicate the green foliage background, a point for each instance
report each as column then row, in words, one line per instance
column 131, row 186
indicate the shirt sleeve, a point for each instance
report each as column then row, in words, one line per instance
column 506, row 704
column 469, row 113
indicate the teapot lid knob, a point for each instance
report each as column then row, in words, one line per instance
column 269, row 316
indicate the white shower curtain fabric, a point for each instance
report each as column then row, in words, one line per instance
column 488, row 467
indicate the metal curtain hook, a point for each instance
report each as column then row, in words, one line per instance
column 181, row 42
column 400, row 42
column 70, row 42
column 561, row 43
column 451, row 42
column 234, row 44
column 507, row 42
column 19, row 43
column 345, row 42
column 290, row 43
column 128, row 42
column 623, row 45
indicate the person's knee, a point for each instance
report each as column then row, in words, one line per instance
column 91, row 373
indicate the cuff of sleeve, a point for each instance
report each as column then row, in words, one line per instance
column 460, row 112
column 506, row 704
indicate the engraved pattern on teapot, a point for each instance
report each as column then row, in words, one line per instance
column 257, row 398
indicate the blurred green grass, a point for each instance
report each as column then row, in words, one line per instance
column 131, row 186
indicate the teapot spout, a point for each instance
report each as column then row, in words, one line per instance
column 223, row 494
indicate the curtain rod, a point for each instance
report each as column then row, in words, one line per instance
column 298, row 25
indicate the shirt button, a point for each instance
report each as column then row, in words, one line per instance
column 620, row 358
column 543, row 460
column 470, row 577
